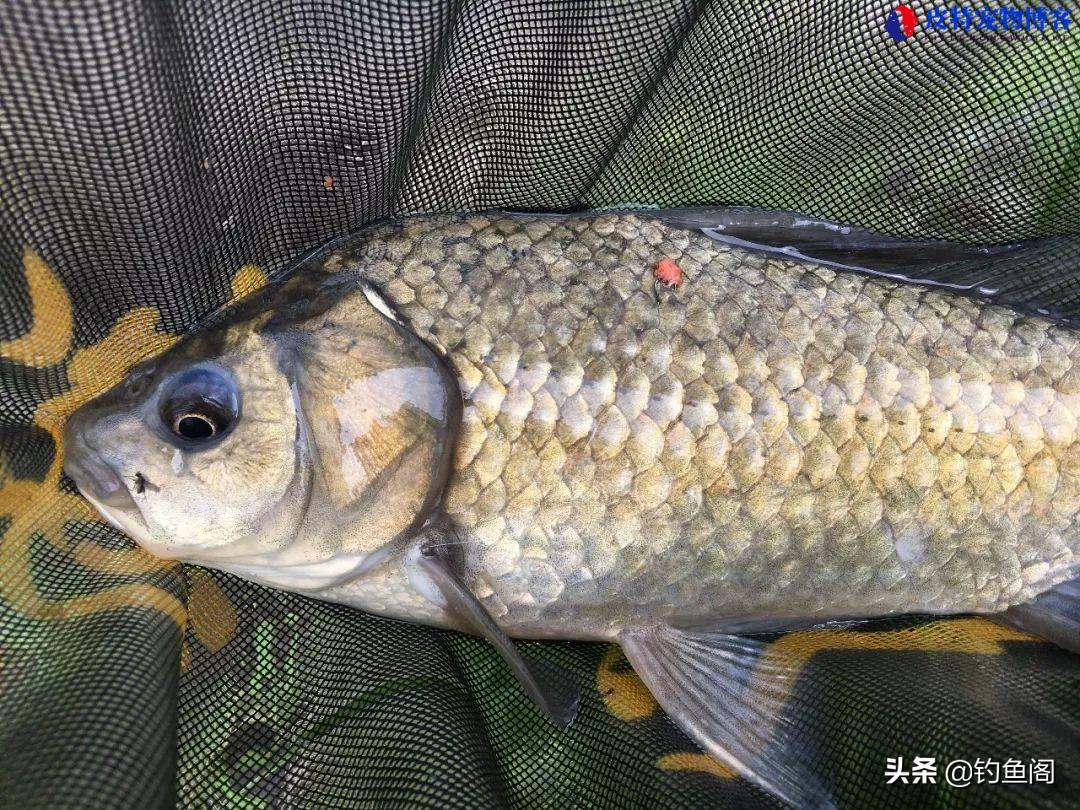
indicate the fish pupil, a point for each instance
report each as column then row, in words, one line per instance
column 195, row 426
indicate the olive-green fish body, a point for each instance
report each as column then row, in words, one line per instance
column 771, row 441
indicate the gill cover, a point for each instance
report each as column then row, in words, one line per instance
column 379, row 411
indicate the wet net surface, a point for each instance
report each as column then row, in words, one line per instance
column 158, row 160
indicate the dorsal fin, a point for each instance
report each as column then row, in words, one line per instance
column 1037, row 277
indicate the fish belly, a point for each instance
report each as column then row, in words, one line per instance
column 770, row 440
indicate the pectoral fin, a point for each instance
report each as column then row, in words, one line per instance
column 553, row 692
column 1055, row 616
column 720, row 691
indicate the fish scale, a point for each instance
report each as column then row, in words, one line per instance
column 772, row 439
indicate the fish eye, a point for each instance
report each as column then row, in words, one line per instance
column 199, row 405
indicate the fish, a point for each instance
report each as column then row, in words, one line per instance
column 499, row 424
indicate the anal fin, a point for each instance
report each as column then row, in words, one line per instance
column 1054, row 616
column 718, row 689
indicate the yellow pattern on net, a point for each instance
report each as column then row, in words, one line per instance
column 41, row 509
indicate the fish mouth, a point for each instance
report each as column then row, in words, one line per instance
column 96, row 480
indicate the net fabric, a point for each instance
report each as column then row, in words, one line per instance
column 157, row 160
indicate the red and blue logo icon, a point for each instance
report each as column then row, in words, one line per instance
column 901, row 22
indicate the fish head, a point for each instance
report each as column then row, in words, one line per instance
column 295, row 443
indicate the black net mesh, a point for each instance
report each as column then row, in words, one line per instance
column 158, row 159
